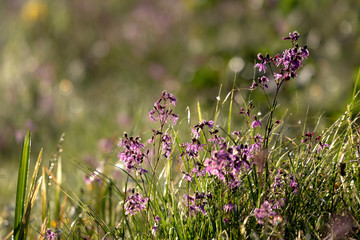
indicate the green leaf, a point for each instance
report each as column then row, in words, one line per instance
column 21, row 187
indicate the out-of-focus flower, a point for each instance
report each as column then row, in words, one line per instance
column 293, row 184
column 34, row 11
column 321, row 144
column 50, row 235
column 308, row 137
column 157, row 219
column 105, row 145
column 187, row 177
column 154, row 230
column 264, row 213
column 197, row 203
column 94, row 177
column 228, row 207
column 277, row 182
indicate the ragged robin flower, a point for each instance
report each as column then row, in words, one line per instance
column 287, row 63
column 265, row 213
column 131, row 155
column 135, row 203
column 161, row 111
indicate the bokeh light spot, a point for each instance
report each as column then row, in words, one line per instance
column 65, row 86
column 236, row 64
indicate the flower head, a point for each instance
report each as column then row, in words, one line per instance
column 255, row 123
column 228, row 207
column 161, row 111
column 288, row 62
column 293, row 36
column 50, row 235
column 264, row 213
column 197, row 202
column 135, row 203
column 293, row 184
column 166, row 142
column 196, row 130
column 131, row 154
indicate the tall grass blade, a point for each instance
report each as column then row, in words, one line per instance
column 34, row 188
column 230, row 109
column 57, row 190
column 21, row 187
column 216, row 114
column 43, row 197
column 199, row 111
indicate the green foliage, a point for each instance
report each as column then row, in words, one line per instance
column 21, row 188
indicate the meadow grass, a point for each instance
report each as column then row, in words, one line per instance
column 207, row 182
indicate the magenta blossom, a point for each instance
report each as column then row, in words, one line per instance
column 131, row 154
column 264, row 213
column 135, row 203
column 161, row 111
column 255, row 123
column 228, row 207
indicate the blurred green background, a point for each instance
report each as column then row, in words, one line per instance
column 92, row 69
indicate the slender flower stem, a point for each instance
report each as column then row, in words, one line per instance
column 269, row 123
column 123, row 207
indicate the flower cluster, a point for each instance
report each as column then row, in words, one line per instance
column 264, row 213
column 293, row 184
column 308, row 136
column 229, row 207
column 94, row 177
column 255, row 123
column 261, row 82
column 321, row 144
column 288, row 63
column 161, row 111
column 197, row 203
column 192, row 149
column 135, row 203
column 308, row 140
column 155, row 227
column 50, row 235
column 226, row 163
column 132, row 154
column 196, row 130
column 167, row 143
column 277, row 183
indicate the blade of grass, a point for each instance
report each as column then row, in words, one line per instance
column 34, row 187
column 199, row 111
column 216, row 114
column 21, row 186
column 30, row 205
column 230, row 108
column 43, row 197
column 57, row 191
